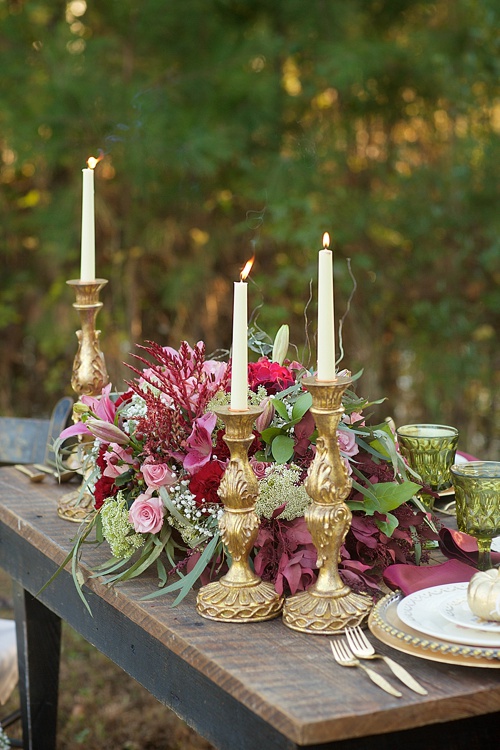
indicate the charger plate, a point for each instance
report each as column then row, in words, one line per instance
column 385, row 625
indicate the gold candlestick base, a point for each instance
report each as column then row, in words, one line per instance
column 329, row 605
column 240, row 595
column 75, row 506
column 88, row 379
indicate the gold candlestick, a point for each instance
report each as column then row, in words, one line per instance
column 88, row 379
column 329, row 605
column 240, row 595
column 89, row 369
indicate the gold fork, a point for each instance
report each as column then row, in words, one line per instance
column 363, row 649
column 345, row 658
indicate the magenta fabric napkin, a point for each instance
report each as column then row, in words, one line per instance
column 460, row 546
column 410, row 578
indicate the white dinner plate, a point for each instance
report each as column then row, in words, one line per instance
column 421, row 611
column 455, row 608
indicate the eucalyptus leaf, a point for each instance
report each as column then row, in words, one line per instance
column 269, row 434
column 301, row 406
column 282, row 448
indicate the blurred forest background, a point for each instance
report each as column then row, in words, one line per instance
column 237, row 126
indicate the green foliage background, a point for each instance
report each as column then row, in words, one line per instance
column 238, row 126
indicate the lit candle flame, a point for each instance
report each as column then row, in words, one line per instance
column 92, row 161
column 326, row 240
column 247, row 268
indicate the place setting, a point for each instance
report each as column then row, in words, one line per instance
column 449, row 612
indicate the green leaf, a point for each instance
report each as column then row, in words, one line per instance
column 391, row 495
column 282, row 448
column 387, row 527
column 185, row 585
column 280, row 408
column 269, row 434
column 381, row 445
column 124, row 478
column 301, row 406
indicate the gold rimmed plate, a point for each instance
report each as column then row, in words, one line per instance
column 385, row 625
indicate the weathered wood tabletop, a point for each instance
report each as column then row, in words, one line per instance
column 241, row 686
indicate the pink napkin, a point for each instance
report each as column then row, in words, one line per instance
column 410, row 578
column 460, row 546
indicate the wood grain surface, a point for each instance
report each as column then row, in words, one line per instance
column 220, row 677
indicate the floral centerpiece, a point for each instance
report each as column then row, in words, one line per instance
column 158, row 456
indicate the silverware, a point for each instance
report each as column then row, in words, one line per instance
column 34, row 476
column 345, row 658
column 363, row 649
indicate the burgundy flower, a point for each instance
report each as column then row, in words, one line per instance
column 286, row 555
column 303, row 431
column 205, row 483
column 271, row 375
column 104, row 487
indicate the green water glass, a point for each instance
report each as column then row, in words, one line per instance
column 430, row 451
column 477, row 496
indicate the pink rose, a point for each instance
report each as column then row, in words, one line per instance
column 146, row 514
column 157, row 475
column 347, row 442
column 259, row 468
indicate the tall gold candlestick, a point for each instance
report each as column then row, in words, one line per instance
column 88, row 379
column 89, row 369
column 329, row 605
column 240, row 595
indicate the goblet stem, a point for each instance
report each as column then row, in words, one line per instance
column 484, row 553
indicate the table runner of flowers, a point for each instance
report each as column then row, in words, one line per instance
column 158, row 454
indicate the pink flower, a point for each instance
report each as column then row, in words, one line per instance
column 102, row 406
column 264, row 420
column 107, row 432
column 215, row 371
column 157, row 475
column 259, row 468
column 199, row 443
column 146, row 514
column 354, row 418
column 118, row 460
column 347, row 442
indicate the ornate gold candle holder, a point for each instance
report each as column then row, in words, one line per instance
column 89, row 369
column 329, row 605
column 240, row 595
column 88, row 379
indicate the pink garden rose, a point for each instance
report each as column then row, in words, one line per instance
column 157, row 475
column 259, row 468
column 347, row 442
column 146, row 514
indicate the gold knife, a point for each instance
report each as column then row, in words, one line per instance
column 403, row 675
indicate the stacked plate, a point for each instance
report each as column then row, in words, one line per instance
column 436, row 623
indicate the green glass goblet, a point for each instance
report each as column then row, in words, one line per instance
column 477, row 495
column 430, row 451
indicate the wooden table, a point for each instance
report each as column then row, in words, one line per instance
column 241, row 686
